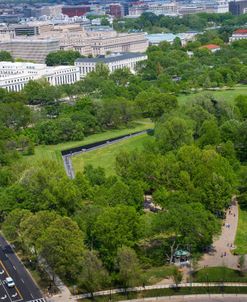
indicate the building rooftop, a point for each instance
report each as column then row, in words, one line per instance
column 210, row 46
column 240, row 32
column 111, row 58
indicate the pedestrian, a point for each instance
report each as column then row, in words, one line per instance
column 225, row 254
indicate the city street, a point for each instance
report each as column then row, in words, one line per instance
column 25, row 290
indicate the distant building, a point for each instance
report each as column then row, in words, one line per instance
column 31, row 28
column 156, row 39
column 211, row 47
column 116, row 10
column 77, row 10
column 238, row 7
column 29, row 49
column 113, row 62
column 239, row 35
column 14, row 76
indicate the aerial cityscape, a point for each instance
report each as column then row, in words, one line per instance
column 123, row 150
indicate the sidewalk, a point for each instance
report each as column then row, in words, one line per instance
column 221, row 254
column 141, row 288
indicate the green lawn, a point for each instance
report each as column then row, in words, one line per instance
column 53, row 152
column 218, row 274
column 154, row 275
column 225, row 94
column 105, row 157
column 241, row 238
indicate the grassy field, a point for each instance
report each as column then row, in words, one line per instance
column 53, row 152
column 156, row 274
column 226, row 94
column 218, row 274
column 105, row 157
column 241, row 238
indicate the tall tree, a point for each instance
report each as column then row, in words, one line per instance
column 93, row 276
column 128, row 266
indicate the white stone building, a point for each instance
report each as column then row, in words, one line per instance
column 239, row 34
column 113, row 62
column 14, row 76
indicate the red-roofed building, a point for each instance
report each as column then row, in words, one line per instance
column 211, row 47
column 239, row 34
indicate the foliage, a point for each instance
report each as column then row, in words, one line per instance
column 5, row 56
column 62, row 57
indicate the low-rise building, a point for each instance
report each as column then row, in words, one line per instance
column 211, row 47
column 113, row 62
column 14, row 76
column 239, row 35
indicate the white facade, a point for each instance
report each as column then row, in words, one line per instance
column 14, row 76
column 239, row 35
column 113, row 62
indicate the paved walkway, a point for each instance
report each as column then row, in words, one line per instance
column 221, row 253
column 164, row 286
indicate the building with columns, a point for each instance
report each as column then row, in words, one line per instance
column 14, row 76
column 113, row 62
column 239, row 34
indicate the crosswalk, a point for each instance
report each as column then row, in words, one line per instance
column 38, row 300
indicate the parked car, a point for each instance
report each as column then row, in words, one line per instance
column 10, row 282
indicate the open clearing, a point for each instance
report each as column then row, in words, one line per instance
column 53, row 152
column 105, row 157
column 225, row 95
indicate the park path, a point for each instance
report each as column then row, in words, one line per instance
column 164, row 286
column 224, row 244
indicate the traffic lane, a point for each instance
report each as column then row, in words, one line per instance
column 12, row 272
column 29, row 289
column 3, row 295
column 13, row 293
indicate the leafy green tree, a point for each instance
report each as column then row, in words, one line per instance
column 114, row 228
column 40, row 92
column 62, row 57
column 32, row 227
column 129, row 272
column 96, row 176
column 62, row 247
column 6, row 56
column 172, row 134
column 241, row 103
column 14, row 115
column 93, row 275
column 11, row 225
column 209, row 134
column 190, row 225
